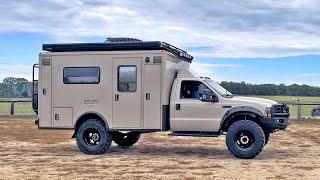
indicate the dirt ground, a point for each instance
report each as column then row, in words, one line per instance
column 27, row 153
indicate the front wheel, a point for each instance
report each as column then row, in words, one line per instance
column 245, row 139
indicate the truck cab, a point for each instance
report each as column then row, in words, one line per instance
column 201, row 104
column 194, row 104
column 117, row 90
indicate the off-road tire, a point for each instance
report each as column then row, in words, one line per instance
column 236, row 130
column 105, row 138
column 267, row 137
column 125, row 139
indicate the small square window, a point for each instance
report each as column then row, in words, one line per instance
column 127, row 78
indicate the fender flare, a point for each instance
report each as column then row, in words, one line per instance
column 82, row 118
column 239, row 110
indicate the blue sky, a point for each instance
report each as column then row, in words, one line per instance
column 262, row 41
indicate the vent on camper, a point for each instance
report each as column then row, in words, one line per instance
column 46, row 61
column 147, row 60
column 157, row 59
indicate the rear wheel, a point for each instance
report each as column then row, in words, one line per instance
column 93, row 138
column 125, row 139
column 245, row 139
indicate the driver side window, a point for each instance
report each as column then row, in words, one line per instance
column 192, row 90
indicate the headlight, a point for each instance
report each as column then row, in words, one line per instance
column 267, row 111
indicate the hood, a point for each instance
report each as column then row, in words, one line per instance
column 257, row 103
column 253, row 100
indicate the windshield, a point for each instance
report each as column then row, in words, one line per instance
column 216, row 86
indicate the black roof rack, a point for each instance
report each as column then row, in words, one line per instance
column 121, row 40
column 119, row 44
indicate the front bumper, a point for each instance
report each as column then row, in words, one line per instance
column 278, row 120
column 275, row 124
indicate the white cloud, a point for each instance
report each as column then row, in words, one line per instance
column 307, row 78
column 209, row 70
column 15, row 70
column 309, row 75
column 264, row 28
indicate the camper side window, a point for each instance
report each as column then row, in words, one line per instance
column 127, row 78
column 81, row 75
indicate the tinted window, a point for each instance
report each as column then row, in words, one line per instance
column 81, row 75
column 192, row 90
column 127, row 78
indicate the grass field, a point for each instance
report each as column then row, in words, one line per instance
column 19, row 107
column 28, row 153
column 305, row 110
column 303, row 99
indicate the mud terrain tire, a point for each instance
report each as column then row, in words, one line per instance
column 125, row 139
column 267, row 137
column 93, row 138
column 245, row 139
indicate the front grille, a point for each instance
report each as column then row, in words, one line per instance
column 280, row 110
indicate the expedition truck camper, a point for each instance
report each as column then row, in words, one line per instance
column 119, row 89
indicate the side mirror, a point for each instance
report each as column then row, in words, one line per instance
column 208, row 96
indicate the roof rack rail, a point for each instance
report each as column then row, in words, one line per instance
column 183, row 55
column 119, row 44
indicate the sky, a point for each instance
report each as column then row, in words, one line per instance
column 256, row 41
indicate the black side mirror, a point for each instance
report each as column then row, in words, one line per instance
column 208, row 96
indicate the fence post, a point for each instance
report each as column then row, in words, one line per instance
column 12, row 109
column 299, row 111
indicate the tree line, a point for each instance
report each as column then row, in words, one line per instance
column 19, row 87
column 15, row 87
column 243, row 88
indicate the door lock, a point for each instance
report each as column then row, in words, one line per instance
column 116, row 97
column 178, row 107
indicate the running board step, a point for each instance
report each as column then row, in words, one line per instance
column 195, row 134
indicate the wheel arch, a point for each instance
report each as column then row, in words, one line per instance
column 88, row 115
column 241, row 113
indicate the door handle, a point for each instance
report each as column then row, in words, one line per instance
column 56, row 117
column 147, row 96
column 44, row 91
column 178, row 107
column 116, row 97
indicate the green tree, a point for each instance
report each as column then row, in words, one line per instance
column 24, row 94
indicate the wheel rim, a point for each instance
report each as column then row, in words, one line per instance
column 244, row 139
column 91, row 137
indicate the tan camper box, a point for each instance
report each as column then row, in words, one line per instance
column 117, row 90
